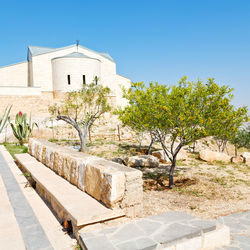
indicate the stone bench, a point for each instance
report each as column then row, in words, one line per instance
column 115, row 185
column 67, row 201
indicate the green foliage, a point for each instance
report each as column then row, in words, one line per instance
column 82, row 108
column 15, row 149
column 21, row 128
column 241, row 139
column 226, row 119
column 180, row 114
column 4, row 118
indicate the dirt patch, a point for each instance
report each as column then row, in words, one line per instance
column 206, row 190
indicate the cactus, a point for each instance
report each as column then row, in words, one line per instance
column 4, row 118
column 21, row 129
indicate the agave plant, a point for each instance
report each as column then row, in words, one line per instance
column 4, row 118
column 21, row 128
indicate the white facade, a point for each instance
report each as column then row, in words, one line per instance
column 64, row 69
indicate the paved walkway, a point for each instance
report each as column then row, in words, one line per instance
column 239, row 225
column 32, row 232
column 171, row 230
column 25, row 220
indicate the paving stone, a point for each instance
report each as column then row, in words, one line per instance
column 248, row 215
column 239, row 229
column 98, row 243
column 244, row 247
column 127, row 232
column 175, row 232
column 86, row 235
column 205, row 226
column 242, row 239
column 235, row 227
column 33, row 236
column 109, row 230
column 127, row 246
column 244, row 222
column 149, row 227
column 231, row 248
column 146, row 244
column 170, row 217
column 236, row 215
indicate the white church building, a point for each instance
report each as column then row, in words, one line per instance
column 57, row 70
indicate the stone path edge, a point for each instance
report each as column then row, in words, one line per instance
column 33, row 234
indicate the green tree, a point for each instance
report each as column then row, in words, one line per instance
column 241, row 139
column 176, row 115
column 82, row 108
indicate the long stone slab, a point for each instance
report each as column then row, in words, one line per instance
column 171, row 230
column 67, row 201
column 115, row 185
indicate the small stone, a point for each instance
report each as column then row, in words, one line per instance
column 118, row 160
column 246, row 157
column 237, row 159
column 148, row 161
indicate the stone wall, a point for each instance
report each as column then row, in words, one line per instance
column 36, row 105
column 115, row 185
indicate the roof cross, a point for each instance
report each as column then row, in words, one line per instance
column 77, row 44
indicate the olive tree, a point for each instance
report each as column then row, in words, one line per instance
column 82, row 108
column 177, row 115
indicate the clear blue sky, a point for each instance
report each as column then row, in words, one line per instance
column 150, row 40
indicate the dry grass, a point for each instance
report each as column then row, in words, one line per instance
column 207, row 190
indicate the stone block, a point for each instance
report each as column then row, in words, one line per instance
column 210, row 156
column 104, row 184
column 74, row 171
column 191, row 244
column 81, row 175
column 66, row 168
column 216, row 238
column 113, row 184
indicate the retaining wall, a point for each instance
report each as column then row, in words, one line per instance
column 115, row 185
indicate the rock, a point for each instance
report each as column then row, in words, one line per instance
column 160, row 154
column 148, row 161
column 118, row 160
column 182, row 155
column 210, row 156
column 246, row 157
column 237, row 159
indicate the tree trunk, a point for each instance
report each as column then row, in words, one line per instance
column 82, row 136
column 150, row 146
column 235, row 151
column 171, row 173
